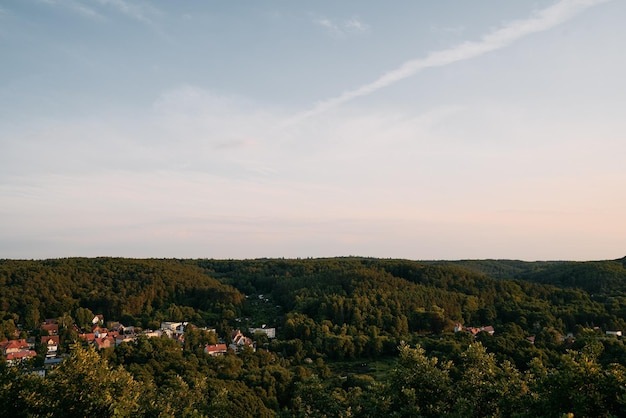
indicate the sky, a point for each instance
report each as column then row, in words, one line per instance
column 410, row 129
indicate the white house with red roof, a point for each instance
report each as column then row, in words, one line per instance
column 16, row 350
column 216, row 349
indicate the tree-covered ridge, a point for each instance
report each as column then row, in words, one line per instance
column 308, row 286
column 597, row 277
column 121, row 289
column 361, row 296
column 606, row 276
column 500, row 269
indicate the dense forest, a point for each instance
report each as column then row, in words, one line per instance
column 355, row 337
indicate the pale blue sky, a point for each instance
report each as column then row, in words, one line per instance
column 413, row 129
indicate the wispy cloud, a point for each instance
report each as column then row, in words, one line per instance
column 137, row 11
column 76, row 7
column 344, row 27
column 540, row 21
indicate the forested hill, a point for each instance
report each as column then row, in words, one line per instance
column 607, row 277
column 500, row 269
column 121, row 289
column 402, row 296
column 379, row 298
column 597, row 277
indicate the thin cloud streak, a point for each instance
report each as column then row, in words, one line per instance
column 75, row 7
column 135, row 11
column 542, row 20
column 348, row 27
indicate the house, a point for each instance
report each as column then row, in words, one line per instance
column 18, row 356
column 216, row 349
column 270, row 332
column 98, row 319
column 153, row 334
column 238, row 341
column 52, row 342
column 13, row 346
column 16, row 350
column 131, row 330
column 99, row 332
column 173, row 329
column 124, row 338
column 474, row 330
column 50, row 329
column 171, row 326
column 488, row 329
column 614, row 333
column 116, row 326
column 104, row 342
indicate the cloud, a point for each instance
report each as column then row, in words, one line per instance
column 76, row 7
column 141, row 12
column 343, row 28
column 541, row 21
column 355, row 25
column 137, row 11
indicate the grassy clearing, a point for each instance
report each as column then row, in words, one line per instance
column 377, row 368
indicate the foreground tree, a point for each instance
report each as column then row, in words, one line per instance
column 581, row 385
column 85, row 385
column 419, row 386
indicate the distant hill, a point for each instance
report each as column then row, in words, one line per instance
column 600, row 277
column 502, row 269
column 595, row 277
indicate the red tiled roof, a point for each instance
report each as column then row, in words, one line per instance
column 52, row 339
column 104, row 342
column 88, row 337
column 21, row 355
column 51, row 328
column 13, row 345
column 215, row 348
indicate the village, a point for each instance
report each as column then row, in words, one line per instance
column 16, row 351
